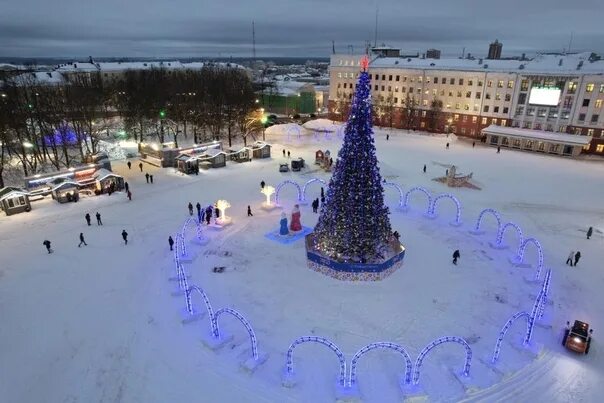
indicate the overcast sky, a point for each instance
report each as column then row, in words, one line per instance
column 222, row 28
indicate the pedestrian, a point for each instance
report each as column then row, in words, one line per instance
column 570, row 258
column 249, row 211
column 446, row 172
column 125, row 236
column 387, row 137
column 498, row 149
column 456, row 255
column 171, row 242
column 129, row 193
column 284, row 153
column 151, row 178
column 424, row 168
column 330, row 161
column 262, row 184
column 147, row 177
column 198, row 207
column 577, row 257
column 190, row 209
column 140, row 165
column 288, row 154
column 129, row 165
column 322, row 192
column 126, row 186
column 208, row 215
column 473, row 144
column 196, row 169
column 98, row 219
column 322, row 200
column 87, row 217
column 590, row 231
column 82, row 241
column 199, row 216
column 217, row 212
column 447, row 146
column 47, row 244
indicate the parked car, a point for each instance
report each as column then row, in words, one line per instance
column 283, row 168
column 577, row 338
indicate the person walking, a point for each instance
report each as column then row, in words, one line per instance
column 570, row 258
column 262, row 184
column 98, row 219
column 190, row 209
column 249, row 211
column 577, row 257
column 125, row 237
column 171, row 242
column 147, row 177
column 126, row 186
column 322, row 192
column 473, row 144
column 288, row 154
column 47, row 244
column 456, row 255
column 424, row 168
column 208, row 214
column 447, row 146
column 87, row 217
column 129, row 193
column 140, row 165
column 446, row 172
column 129, row 165
column 151, row 178
column 284, row 153
column 198, row 207
column 590, row 231
column 82, row 241
column 498, row 149
column 387, row 137
column 322, row 200
column 315, row 205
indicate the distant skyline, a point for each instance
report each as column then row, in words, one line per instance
column 303, row 28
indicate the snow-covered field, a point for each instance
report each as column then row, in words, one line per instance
column 99, row 323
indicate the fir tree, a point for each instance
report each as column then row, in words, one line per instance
column 354, row 223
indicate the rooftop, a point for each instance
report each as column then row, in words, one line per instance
column 537, row 135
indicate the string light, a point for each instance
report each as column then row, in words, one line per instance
column 313, row 180
column 437, row 342
column 432, row 210
column 504, row 330
column 280, row 186
column 519, row 259
column 413, row 190
column 320, row 340
column 401, row 194
column 499, row 239
column 491, row 211
column 385, row 345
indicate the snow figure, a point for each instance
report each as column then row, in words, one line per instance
column 354, row 221
column 283, row 230
column 295, row 225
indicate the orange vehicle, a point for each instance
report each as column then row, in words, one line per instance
column 577, row 338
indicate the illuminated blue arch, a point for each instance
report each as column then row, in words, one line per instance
column 295, row 129
column 287, row 182
column 413, row 190
column 320, row 340
column 537, row 306
column 206, row 300
column 491, row 211
column 437, row 342
column 383, row 345
column 432, row 210
column 505, row 329
column 313, row 180
column 246, row 324
column 500, row 234
column 401, row 194
column 519, row 259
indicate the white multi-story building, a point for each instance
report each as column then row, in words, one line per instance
column 554, row 93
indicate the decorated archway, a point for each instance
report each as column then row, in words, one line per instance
column 437, row 342
column 432, row 210
column 320, row 340
column 414, row 190
column 284, row 183
column 381, row 345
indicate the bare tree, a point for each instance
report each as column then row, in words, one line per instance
column 436, row 107
column 409, row 112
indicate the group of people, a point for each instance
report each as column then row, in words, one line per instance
column 288, row 153
column 573, row 257
column 206, row 214
column 88, row 218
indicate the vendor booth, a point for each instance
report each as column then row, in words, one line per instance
column 107, row 181
column 242, row 155
column 65, row 192
column 14, row 200
column 212, row 158
column 261, row 149
column 187, row 164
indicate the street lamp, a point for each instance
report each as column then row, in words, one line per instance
column 27, row 144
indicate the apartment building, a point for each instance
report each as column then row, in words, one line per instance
column 553, row 93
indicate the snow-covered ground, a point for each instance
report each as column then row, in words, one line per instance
column 99, row 323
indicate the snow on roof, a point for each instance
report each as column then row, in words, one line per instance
column 537, row 135
column 261, row 144
column 102, row 173
column 77, row 67
column 65, row 184
column 293, row 87
column 571, row 64
column 38, row 78
column 212, row 152
column 8, row 192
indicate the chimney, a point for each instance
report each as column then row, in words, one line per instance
column 560, row 62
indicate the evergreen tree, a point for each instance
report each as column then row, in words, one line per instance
column 354, row 223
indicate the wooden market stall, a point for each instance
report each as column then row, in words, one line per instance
column 14, row 200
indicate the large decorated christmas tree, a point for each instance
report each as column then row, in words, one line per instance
column 353, row 225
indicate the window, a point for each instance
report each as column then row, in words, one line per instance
column 506, row 109
column 486, row 108
column 496, row 109
column 435, row 80
column 522, row 98
column 424, row 113
column 490, row 83
column 484, row 121
column 403, row 89
column 458, row 94
column 530, row 111
column 422, row 124
column 511, row 84
column 398, row 78
column 474, row 119
column 456, row 117
column 457, row 106
column 477, row 96
column 508, row 97
column 425, row 102
column 443, row 80
column 500, row 84
column 565, row 115
column 589, row 87
column 541, row 112
column 472, row 132
column 461, row 81
column 590, row 132
column 568, row 102
column 581, row 117
column 396, row 89
column 519, row 110
column 339, row 75
column 452, row 81
column 410, row 90
column 480, row 83
column 375, row 87
column 442, row 93
column 598, row 103
column 600, row 148
column 389, row 88
column 497, row 97
column 470, row 82
column 505, row 141
column 404, row 78
column 464, row 118
column 572, row 87
column 476, row 107
column 528, row 144
column 468, row 94
column 345, row 84
column 340, row 84
column 419, row 79
column 594, row 118
column 383, row 88
column 524, row 85
column 384, row 77
column 390, row 77
column 396, row 100
column 434, row 92
column 463, row 130
column 466, row 107
column 494, row 140
column 487, row 96
column 585, row 102
column 450, row 93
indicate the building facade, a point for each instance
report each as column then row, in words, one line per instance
column 553, row 93
column 495, row 50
